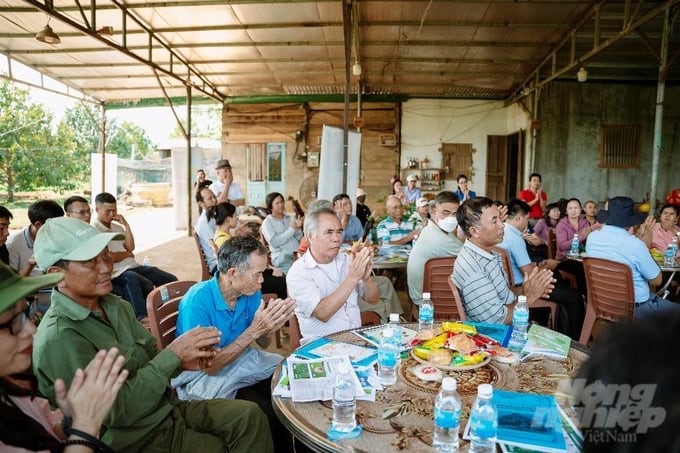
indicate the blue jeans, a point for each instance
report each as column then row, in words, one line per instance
column 133, row 288
column 655, row 305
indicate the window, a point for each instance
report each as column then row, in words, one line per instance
column 620, row 146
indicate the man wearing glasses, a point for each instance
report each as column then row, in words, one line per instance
column 399, row 229
column 78, row 207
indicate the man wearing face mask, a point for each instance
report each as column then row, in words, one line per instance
column 437, row 239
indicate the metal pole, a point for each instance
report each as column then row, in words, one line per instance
column 347, row 31
column 102, row 147
column 658, row 114
column 189, row 187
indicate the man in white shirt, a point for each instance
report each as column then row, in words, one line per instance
column 205, row 227
column 327, row 284
column 225, row 188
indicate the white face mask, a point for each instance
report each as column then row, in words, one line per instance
column 448, row 224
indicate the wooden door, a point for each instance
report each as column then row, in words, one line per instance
column 496, row 167
column 456, row 160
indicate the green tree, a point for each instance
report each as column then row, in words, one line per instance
column 31, row 154
column 206, row 122
column 123, row 138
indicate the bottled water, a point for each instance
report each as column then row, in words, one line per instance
column 669, row 256
column 146, row 261
column 398, row 334
column 483, row 421
column 387, row 358
column 447, row 407
column 674, row 243
column 344, row 400
column 574, row 245
column 425, row 313
column 520, row 322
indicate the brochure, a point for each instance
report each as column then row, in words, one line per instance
column 373, row 335
column 499, row 332
column 547, row 342
column 572, row 438
column 527, row 420
column 313, row 380
column 323, row 347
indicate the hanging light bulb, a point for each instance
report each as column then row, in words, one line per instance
column 582, row 75
column 356, row 69
column 47, row 35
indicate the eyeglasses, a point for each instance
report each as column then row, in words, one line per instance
column 17, row 323
column 82, row 211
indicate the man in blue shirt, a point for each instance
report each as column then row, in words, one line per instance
column 232, row 302
column 411, row 191
column 615, row 242
column 521, row 264
column 353, row 230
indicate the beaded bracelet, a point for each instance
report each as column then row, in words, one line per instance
column 86, row 443
column 90, row 440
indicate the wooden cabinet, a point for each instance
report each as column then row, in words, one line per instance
column 429, row 179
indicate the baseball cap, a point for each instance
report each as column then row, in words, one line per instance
column 222, row 163
column 361, row 192
column 421, row 202
column 13, row 287
column 410, row 178
column 66, row 238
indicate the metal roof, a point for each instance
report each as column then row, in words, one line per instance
column 498, row 49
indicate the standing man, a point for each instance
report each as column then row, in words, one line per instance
column 437, row 239
column 478, row 272
column 521, row 265
column 20, row 245
column 353, row 230
column 411, row 191
column 226, row 189
column 85, row 318
column 399, row 230
column 205, row 227
column 78, row 207
column 325, row 283
column 535, row 198
column 615, row 241
column 363, row 211
column 5, row 219
column 463, row 193
column 201, row 181
column 232, row 302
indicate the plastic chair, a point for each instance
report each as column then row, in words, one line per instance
column 459, row 302
column 538, row 303
column 436, row 282
column 552, row 244
column 370, row 318
column 205, row 270
column 611, row 295
column 162, row 305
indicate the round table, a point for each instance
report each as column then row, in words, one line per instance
column 400, row 419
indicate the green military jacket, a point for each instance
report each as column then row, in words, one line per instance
column 70, row 335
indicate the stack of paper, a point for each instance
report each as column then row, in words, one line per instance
column 547, row 342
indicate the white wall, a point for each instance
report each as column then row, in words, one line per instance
column 427, row 123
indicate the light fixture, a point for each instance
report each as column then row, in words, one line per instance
column 105, row 31
column 356, row 69
column 48, row 35
column 582, row 75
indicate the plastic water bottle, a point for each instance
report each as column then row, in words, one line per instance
column 344, row 400
column 574, row 245
column 520, row 322
column 425, row 313
column 146, row 261
column 669, row 256
column 387, row 358
column 398, row 334
column 483, row 421
column 674, row 243
column 447, row 407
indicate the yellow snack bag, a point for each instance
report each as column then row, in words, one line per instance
column 458, row 327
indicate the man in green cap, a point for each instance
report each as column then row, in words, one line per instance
column 84, row 318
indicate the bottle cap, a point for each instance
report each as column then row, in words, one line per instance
column 485, row 390
column 388, row 332
column 394, row 317
column 522, row 299
column 426, row 295
column 449, row 384
column 342, row 368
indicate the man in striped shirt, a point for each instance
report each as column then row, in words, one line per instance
column 478, row 272
column 395, row 226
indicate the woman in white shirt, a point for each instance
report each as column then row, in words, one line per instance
column 282, row 231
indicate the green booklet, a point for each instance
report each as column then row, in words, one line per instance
column 547, row 342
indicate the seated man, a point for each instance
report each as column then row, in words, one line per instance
column 130, row 281
column 232, row 302
column 363, row 211
column 395, row 227
column 421, row 215
column 437, row 239
column 85, row 318
column 521, row 264
column 205, row 227
column 615, row 242
column 78, row 207
column 478, row 272
column 5, row 219
column 353, row 231
column 327, row 284
column 20, row 245
column 411, row 191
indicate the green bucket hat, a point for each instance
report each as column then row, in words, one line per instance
column 66, row 238
column 14, row 287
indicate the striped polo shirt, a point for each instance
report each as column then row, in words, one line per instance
column 395, row 230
